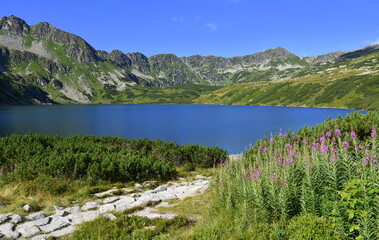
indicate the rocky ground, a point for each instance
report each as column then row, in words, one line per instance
column 137, row 200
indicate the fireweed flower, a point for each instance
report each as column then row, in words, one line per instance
column 265, row 149
column 333, row 158
column 288, row 145
column 373, row 134
column 292, row 152
column 271, row 139
column 322, row 139
column 256, row 174
column 328, row 134
column 324, row 149
column 272, row 176
column 345, row 144
column 337, row 132
column 353, row 135
column 304, row 141
column 1, row 170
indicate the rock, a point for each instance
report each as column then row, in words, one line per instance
column 27, row 232
column 27, row 208
column 57, row 208
column 110, row 216
column 152, row 228
column 16, row 218
column 74, row 209
column 61, row 213
column 106, row 193
column 62, row 232
column 192, row 219
column 2, row 204
column 39, row 222
column 150, row 213
column 89, row 206
column 200, row 177
column 181, row 179
column 110, row 199
column 7, row 231
column 35, row 216
column 122, row 207
column 128, row 190
column 125, row 199
column 160, row 189
column 165, row 195
column 149, row 183
column 56, row 224
column 107, row 208
column 78, row 218
column 137, row 185
column 3, row 218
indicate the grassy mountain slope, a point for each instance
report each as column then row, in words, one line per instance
column 344, row 84
column 42, row 64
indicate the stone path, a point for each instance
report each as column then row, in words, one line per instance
column 38, row 226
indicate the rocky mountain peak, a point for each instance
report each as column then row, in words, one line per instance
column 14, row 25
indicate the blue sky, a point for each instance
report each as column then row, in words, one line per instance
column 209, row 27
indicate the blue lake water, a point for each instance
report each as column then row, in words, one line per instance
column 232, row 128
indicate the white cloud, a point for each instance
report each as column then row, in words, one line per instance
column 212, row 26
column 178, row 19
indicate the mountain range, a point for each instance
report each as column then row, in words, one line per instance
column 42, row 64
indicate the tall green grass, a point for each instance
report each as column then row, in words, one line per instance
column 321, row 183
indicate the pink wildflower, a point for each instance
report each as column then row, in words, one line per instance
column 328, row 134
column 353, row 135
column 345, row 144
column 373, row 134
column 337, row 132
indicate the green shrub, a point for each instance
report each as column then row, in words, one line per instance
column 309, row 227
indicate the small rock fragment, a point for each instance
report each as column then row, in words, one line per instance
column 27, row 208
column 16, row 218
column 3, row 218
column 110, row 199
column 110, row 216
column 89, row 206
column 200, row 177
column 35, row 216
column 107, row 208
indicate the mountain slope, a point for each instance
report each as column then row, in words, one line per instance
column 60, row 67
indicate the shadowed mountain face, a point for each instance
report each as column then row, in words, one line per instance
column 67, row 69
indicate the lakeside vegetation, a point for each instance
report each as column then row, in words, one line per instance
column 58, row 170
column 320, row 183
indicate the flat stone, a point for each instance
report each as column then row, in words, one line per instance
column 165, row 195
column 28, row 232
column 181, row 179
column 137, row 185
column 125, row 199
column 150, row 213
column 89, row 206
column 3, row 218
column 62, row 232
column 106, row 193
column 57, row 208
column 61, row 213
column 110, row 216
column 78, row 218
column 110, row 199
column 152, row 228
column 39, row 222
column 7, row 231
column 200, row 177
column 35, row 216
column 56, row 224
column 120, row 207
column 160, row 189
column 27, row 208
column 74, row 209
column 15, row 218
column 128, row 190
column 106, row 208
